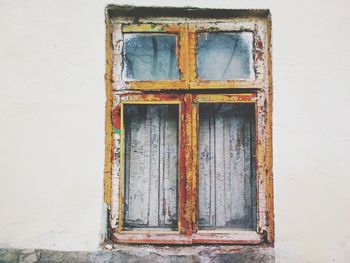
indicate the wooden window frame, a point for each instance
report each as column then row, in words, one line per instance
column 188, row 93
column 137, row 236
column 181, row 37
column 186, row 54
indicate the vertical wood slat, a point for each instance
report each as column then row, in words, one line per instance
column 227, row 197
column 151, row 150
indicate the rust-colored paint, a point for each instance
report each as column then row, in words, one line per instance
column 116, row 118
column 187, row 92
column 194, row 188
column 259, row 45
column 183, row 224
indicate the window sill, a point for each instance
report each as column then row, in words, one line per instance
column 227, row 237
column 151, row 238
column 202, row 237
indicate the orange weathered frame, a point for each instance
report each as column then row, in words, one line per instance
column 188, row 166
column 260, row 90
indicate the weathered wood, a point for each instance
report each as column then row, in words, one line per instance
column 260, row 87
column 152, row 238
column 150, row 27
column 232, row 237
column 151, row 161
column 226, row 84
column 226, row 166
column 108, row 123
column 208, row 237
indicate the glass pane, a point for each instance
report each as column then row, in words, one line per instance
column 225, row 56
column 151, row 166
column 150, row 57
column 227, row 192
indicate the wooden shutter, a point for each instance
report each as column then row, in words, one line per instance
column 151, row 166
column 227, row 197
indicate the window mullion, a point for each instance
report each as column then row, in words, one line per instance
column 183, row 54
column 194, row 129
column 188, row 150
column 182, row 224
column 192, row 49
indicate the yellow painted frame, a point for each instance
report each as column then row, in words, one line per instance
column 190, row 88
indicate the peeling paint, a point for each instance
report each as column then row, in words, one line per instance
column 188, row 92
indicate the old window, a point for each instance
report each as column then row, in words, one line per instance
column 190, row 140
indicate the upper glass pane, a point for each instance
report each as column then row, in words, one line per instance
column 225, row 56
column 150, row 57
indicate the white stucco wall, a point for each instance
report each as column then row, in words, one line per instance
column 52, row 98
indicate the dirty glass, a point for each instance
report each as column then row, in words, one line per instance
column 150, row 57
column 151, row 166
column 225, row 56
column 227, row 192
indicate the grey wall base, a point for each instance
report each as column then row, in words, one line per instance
column 116, row 253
